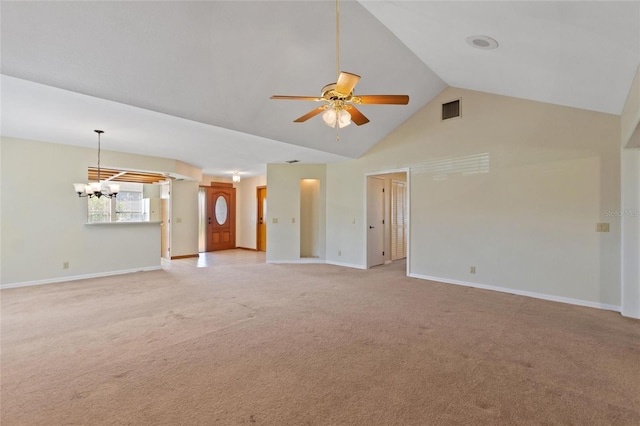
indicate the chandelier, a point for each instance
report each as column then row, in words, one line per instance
column 236, row 177
column 94, row 189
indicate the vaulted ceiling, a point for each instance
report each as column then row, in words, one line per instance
column 192, row 80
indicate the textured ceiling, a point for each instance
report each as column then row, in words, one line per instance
column 192, row 80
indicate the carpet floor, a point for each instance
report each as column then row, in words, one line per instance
column 229, row 340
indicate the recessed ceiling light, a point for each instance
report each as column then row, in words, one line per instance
column 482, row 42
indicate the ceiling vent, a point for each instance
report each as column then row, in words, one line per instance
column 451, row 110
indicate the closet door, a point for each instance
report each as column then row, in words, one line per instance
column 398, row 220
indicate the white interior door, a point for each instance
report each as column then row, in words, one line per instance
column 398, row 220
column 375, row 221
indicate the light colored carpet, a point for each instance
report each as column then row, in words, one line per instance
column 240, row 342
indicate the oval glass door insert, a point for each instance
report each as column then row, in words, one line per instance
column 221, row 210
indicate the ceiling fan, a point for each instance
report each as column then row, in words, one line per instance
column 339, row 100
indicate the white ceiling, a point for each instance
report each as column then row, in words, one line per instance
column 192, row 80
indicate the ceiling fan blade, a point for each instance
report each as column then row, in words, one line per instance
column 356, row 116
column 310, row 114
column 346, row 82
column 384, row 99
column 297, row 98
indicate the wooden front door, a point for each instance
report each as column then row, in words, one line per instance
column 221, row 217
column 262, row 219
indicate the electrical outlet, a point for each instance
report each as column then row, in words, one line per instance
column 274, row 220
column 602, row 227
column 472, row 269
column 65, row 265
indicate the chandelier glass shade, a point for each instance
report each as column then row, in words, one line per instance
column 336, row 117
column 95, row 189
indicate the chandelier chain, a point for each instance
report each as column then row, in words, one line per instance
column 98, row 132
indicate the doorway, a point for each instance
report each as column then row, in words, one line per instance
column 221, row 216
column 387, row 218
column 310, row 218
column 261, row 233
column 165, row 225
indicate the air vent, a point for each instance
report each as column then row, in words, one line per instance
column 292, row 161
column 451, row 110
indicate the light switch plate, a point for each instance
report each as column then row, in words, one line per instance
column 602, row 227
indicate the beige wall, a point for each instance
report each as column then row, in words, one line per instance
column 207, row 179
column 630, row 176
column 513, row 187
column 630, row 118
column 42, row 230
column 247, row 210
column 184, row 215
column 283, row 193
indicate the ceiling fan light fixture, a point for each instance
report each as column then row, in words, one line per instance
column 329, row 117
column 339, row 97
column 344, row 118
column 334, row 116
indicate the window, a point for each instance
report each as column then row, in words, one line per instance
column 99, row 209
column 127, row 206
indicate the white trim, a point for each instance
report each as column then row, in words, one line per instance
column 550, row 297
column 139, row 222
column 346, row 265
column 78, row 277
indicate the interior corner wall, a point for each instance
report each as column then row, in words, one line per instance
column 513, row 187
column 630, row 215
column 630, row 117
column 184, row 218
column 41, row 232
column 630, row 177
column 247, row 210
column 206, row 180
column 283, row 212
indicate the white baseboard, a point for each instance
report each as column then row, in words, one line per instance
column 78, row 277
column 522, row 293
column 311, row 260
column 297, row 261
column 346, row 265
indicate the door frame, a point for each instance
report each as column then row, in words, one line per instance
column 258, row 237
column 365, row 249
